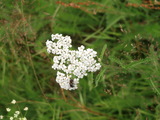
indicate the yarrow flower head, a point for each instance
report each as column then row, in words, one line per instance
column 72, row 65
column 14, row 115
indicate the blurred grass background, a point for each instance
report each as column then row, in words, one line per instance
column 126, row 37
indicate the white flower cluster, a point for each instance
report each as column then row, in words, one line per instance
column 16, row 113
column 71, row 64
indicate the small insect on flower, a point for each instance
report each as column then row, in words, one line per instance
column 71, row 83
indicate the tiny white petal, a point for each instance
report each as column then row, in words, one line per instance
column 17, row 112
column 1, row 116
column 25, row 109
column 8, row 109
column 11, row 118
column 13, row 102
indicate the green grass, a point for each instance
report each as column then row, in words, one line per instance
column 127, row 40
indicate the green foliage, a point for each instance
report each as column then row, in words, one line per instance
column 126, row 38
